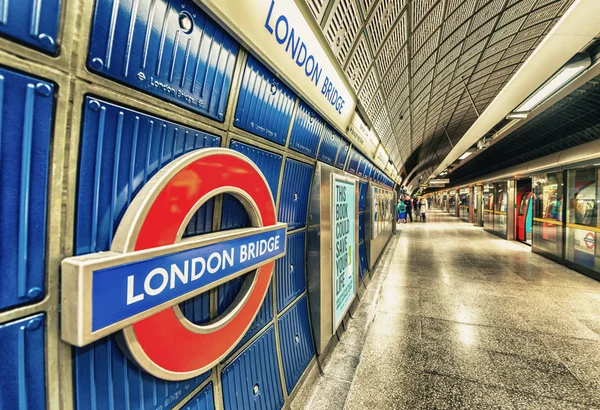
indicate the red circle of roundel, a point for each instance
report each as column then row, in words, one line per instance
column 162, row 337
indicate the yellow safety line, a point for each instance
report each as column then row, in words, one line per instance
column 584, row 227
column 548, row 221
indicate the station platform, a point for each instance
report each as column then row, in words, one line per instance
column 457, row 318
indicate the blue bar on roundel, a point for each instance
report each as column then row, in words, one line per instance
column 123, row 291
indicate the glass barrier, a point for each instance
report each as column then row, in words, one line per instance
column 582, row 218
column 488, row 206
column 452, row 203
column 547, row 213
column 500, row 208
column 464, row 206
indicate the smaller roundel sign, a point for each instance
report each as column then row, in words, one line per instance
column 137, row 286
column 590, row 240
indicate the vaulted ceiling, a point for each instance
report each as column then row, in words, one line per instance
column 424, row 70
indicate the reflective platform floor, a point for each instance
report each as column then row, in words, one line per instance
column 462, row 319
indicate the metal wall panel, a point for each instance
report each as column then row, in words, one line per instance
column 361, row 230
column 362, row 254
column 340, row 161
column 121, row 149
column 296, row 342
column 26, row 118
column 263, row 317
column 251, row 381
column 291, row 280
column 171, row 50
column 22, row 367
column 307, row 130
column 204, row 400
column 34, row 23
column 330, row 143
column 361, row 167
column 233, row 213
column 197, row 309
column 362, row 195
column 293, row 202
column 201, row 221
column 369, row 171
column 265, row 104
column 105, row 378
column 353, row 162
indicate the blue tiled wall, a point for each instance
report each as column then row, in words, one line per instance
column 180, row 63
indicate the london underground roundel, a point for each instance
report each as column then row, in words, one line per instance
column 136, row 287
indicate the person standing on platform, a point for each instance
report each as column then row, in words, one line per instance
column 424, row 207
column 417, row 207
column 401, row 208
column 409, row 207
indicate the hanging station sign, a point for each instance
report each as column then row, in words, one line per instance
column 362, row 136
column 381, row 157
column 137, row 286
column 342, row 235
column 277, row 31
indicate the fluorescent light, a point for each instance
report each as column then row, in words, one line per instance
column 562, row 78
column 465, row 155
column 516, row 116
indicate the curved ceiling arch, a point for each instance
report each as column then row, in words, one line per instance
column 424, row 70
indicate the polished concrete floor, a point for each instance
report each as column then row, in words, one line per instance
column 467, row 320
column 457, row 318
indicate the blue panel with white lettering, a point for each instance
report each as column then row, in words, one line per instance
column 362, row 254
column 121, row 149
column 204, row 400
column 340, row 161
column 265, row 104
column 34, row 23
column 307, row 130
column 171, row 50
column 106, row 379
column 330, row 143
column 362, row 195
column 251, row 381
column 296, row 342
column 233, row 214
column 26, row 118
column 353, row 162
column 361, row 231
column 295, row 189
column 22, row 367
column 291, row 281
column 124, row 291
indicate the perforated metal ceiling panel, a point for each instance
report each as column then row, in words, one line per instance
column 416, row 64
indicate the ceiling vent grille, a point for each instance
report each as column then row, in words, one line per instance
column 359, row 63
column 342, row 28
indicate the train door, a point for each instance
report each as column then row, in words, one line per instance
column 524, row 206
column 524, row 216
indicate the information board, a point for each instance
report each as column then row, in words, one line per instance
column 342, row 234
